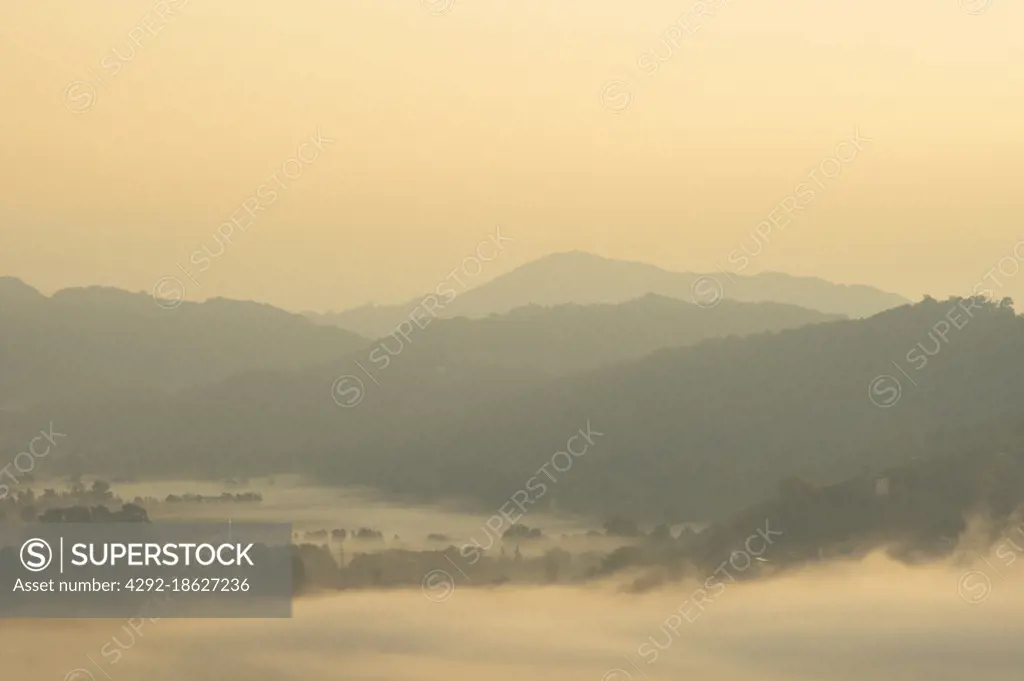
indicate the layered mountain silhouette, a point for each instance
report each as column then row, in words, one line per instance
column 570, row 338
column 687, row 433
column 86, row 342
column 701, row 431
column 582, row 278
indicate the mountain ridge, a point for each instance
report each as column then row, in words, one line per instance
column 693, row 433
column 87, row 340
column 584, row 278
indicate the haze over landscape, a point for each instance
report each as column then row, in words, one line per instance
column 597, row 342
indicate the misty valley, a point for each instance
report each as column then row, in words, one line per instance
column 609, row 453
column 446, row 340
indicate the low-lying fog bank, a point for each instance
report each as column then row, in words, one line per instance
column 870, row 621
column 311, row 507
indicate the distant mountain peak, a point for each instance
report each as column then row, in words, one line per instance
column 583, row 278
column 573, row 255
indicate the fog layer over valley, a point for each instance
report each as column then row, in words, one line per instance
column 454, row 340
column 873, row 621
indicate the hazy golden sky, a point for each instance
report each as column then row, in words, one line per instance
column 452, row 118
